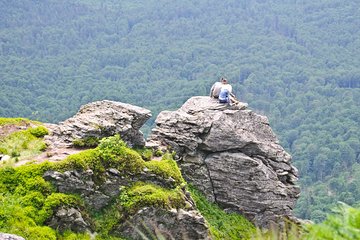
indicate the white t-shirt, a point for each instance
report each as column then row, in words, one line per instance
column 227, row 86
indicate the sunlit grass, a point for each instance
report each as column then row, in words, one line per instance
column 21, row 145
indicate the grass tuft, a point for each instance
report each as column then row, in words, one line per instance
column 24, row 144
column 146, row 194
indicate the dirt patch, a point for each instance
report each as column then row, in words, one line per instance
column 51, row 155
column 7, row 129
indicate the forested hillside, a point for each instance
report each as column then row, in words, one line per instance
column 296, row 61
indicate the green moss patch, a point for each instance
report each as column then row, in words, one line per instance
column 145, row 194
column 145, row 153
column 166, row 168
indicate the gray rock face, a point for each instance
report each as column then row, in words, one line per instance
column 233, row 156
column 68, row 218
column 6, row 236
column 102, row 119
column 97, row 195
column 165, row 224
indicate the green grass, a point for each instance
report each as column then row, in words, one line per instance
column 222, row 225
column 24, row 144
column 27, row 200
column 15, row 121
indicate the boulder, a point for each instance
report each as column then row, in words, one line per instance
column 232, row 155
column 101, row 119
column 68, row 218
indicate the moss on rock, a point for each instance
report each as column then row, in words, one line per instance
column 146, row 194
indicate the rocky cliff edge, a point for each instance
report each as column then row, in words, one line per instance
column 232, row 155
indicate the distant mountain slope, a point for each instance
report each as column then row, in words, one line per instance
column 295, row 61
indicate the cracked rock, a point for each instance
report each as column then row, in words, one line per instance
column 233, row 156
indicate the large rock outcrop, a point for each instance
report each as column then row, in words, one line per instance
column 233, row 156
column 101, row 119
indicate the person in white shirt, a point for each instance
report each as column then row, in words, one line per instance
column 215, row 89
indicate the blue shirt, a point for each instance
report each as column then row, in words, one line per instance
column 224, row 95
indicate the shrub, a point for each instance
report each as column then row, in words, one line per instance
column 114, row 153
column 344, row 223
column 39, row 131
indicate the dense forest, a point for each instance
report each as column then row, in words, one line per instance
column 295, row 61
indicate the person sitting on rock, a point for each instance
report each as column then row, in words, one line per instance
column 216, row 87
column 226, row 95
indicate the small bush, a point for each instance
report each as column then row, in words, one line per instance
column 39, row 131
column 114, row 153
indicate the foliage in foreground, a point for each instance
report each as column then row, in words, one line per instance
column 344, row 223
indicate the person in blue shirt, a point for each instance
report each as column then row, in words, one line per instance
column 226, row 92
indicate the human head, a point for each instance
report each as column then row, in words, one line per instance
column 223, row 80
